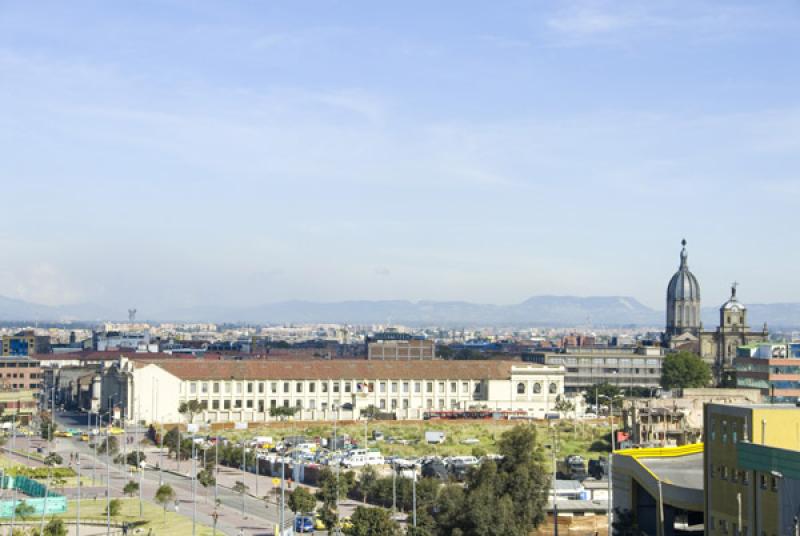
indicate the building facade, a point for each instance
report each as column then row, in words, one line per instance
column 396, row 345
column 741, row 496
column 774, row 369
column 25, row 343
column 20, row 373
column 625, row 368
column 245, row 391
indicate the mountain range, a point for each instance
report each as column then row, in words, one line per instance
column 597, row 311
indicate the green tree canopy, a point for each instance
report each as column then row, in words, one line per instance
column 283, row 411
column 55, row 527
column 131, row 488
column 190, row 409
column 164, row 496
column 504, row 498
column 24, row 510
column 301, row 501
column 601, row 390
column 372, row 522
column 114, row 507
column 684, row 369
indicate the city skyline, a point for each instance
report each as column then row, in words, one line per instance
column 191, row 154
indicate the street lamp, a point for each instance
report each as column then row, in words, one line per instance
column 108, row 467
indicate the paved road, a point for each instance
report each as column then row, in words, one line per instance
column 258, row 519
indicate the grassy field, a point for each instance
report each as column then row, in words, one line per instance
column 175, row 524
column 574, row 437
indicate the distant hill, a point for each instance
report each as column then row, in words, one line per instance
column 594, row 311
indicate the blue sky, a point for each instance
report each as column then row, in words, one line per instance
column 164, row 154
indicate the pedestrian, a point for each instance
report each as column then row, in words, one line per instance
column 241, row 532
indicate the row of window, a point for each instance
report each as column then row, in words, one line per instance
column 330, row 386
column 627, row 363
column 260, row 405
column 740, row 476
column 723, row 432
column 537, row 388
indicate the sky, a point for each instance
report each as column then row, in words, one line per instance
column 180, row 153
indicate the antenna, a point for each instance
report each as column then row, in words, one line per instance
column 131, row 315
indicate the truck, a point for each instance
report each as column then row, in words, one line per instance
column 434, row 438
column 572, row 467
column 598, row 468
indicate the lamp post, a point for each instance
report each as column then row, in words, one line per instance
column 78, row 504
column 108, row 468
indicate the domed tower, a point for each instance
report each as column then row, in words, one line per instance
column 683, row 301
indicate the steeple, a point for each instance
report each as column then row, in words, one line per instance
column 683, row 300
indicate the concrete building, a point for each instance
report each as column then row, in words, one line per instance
column 25, row 343
column 245, row 391
column 625, row 368
column 678, row 420
column 394, row 345
column 20, row 373
column 747, row 490
column 774, row 369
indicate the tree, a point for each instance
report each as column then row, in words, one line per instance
column 164, row 496
column 190, row 409
column 131, row 488
column 47, row 428
column 24, row 510
column 53, row 459
column 240, row 487
column 564, row 406
column 114, row 507
column 301, row 501
column 113, row 445
column 330, row 490
column 283, row 411
column 206, row 478
column 505, row 497
column 367, row 481
column 55, row 527
column 135, row 458
column 600, row 390
column 684, row 369
column 372, row 522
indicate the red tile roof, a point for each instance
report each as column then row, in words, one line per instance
column 340, row 369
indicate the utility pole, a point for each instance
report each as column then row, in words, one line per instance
column 244, row 466
column 141, row 483
column 194, row 488
column 216, row 470
column 414, row 495
column 555, row 478
column 78, row 504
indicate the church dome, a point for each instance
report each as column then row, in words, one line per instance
column 683, row 285
column 733, row 304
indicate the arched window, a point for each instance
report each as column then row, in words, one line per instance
column 537, row 388
column 553, row 388
column 520, row 388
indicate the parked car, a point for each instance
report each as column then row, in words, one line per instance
column 573, row 467
column 304, row 524
column 598, row 468
column 434, row 468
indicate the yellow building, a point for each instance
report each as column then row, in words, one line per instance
column 746, row 492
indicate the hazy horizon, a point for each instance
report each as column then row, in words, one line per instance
column 177, row 154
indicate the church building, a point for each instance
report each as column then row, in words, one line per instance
column 684, row 329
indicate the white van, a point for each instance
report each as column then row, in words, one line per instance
column 360, row 458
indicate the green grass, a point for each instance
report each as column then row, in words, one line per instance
column 574, row 436
column 175, row 524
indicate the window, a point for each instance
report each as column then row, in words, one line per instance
column 250, row 387
column 324, row 387
column 405, row 387
column 477, row 388
column 204, row 387
column 724, row 431
column 441, row 387
column 348, row 387
column 383, row 404
column 192, row 388
column 285, row 403
column 336, row 387
column 312, row 387
column 394, row 387
column 285, row 387
column 273, row 387
column 216, row 388
column 429, row 403
column 299, row 404
column 261, row 387
column 273, row 403
column 226, row 404
column 713, row 429
column 417, row 387
column 382, row 387
column 453, row 387
column 405, row 403
column 249, row 404
column 298, row 387
column 711, row 472
column 465, row 387
column 238, row 388
column 723, row 472
column 312, row 404
column 324, row 406
column 441, row 403
column 774, row 484
column 215, row 404
column 553, row 388
column 745, row 477
column 520, row 388
column 429, row 387
column 453, row 403
column 762, row 481
column 394, row 404
column 537, row 388
column 237, row 404
column 261, row 406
